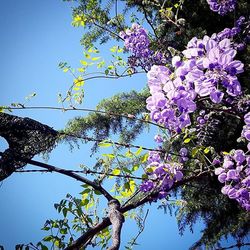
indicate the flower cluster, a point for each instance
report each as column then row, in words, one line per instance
column 246, row 129
column 240, row 33
column 235, row 171
column 136, row 40
column 161, row 176
column 208, row 69
column 222, row 6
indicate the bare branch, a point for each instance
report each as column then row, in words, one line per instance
column 70, row 174
column 87, row 171
column 127, row 116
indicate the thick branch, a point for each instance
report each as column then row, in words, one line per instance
column 26, row 138
column 106, row 221
column 116, row 218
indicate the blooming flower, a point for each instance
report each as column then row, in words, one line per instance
column 222, row 6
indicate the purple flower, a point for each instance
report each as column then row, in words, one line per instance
column 136, row 40
column 232, row 175
column 222, row 6
column 162, row 194
column 222, row 177
column 216, row 161
column 247, row 119
column 178, row 176
column 216, row 96
column 183, row 152
column 232, row 193
column 243, row 193
column 219, row 171
column 147, row 186
column 158, row 138
column 225, row 189
column 239, row 156
column 227, row 163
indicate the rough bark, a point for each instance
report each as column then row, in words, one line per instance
column 26, row 138
column 116, row 218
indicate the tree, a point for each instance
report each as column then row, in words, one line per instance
column 203, row 133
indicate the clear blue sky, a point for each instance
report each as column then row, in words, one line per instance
column 35, row 36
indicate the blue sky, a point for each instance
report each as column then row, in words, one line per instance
column 36, row 36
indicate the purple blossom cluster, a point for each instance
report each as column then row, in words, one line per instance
column 161, row 176
column 208, row 69
column 240, row 32
column 246, row 130
column 222, row 6
column 235, row 171
column 136, row 40
column 235, row 174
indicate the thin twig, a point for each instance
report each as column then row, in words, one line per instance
column 148, row 21
column 141, row 229
column 80, row 171
column 127, row 116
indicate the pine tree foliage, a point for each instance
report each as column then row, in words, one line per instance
column 116, row 119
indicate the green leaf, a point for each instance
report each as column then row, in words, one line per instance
column 116, row 171
column 110, row 156
column 85, row 191
column 104, row 144
column 95, row 58
column 187, row 140
column 85, row 202
column 129, row 154
column 48, row 238
column 110, row 67
column 101, row 64
column 195, row 151
column 206, row 150
column 84, row 63
column 138, row 152
column 144, row 158
column 65, row 211
column 135, row 167
column 63, row 231
column 87, row 55
column 97, row 192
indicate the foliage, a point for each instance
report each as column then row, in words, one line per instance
column 198, row 99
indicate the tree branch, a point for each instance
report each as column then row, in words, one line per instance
column 116, row 218
column 70, row 174
column 127, row 116
column 87, row 171
column 106, row 221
